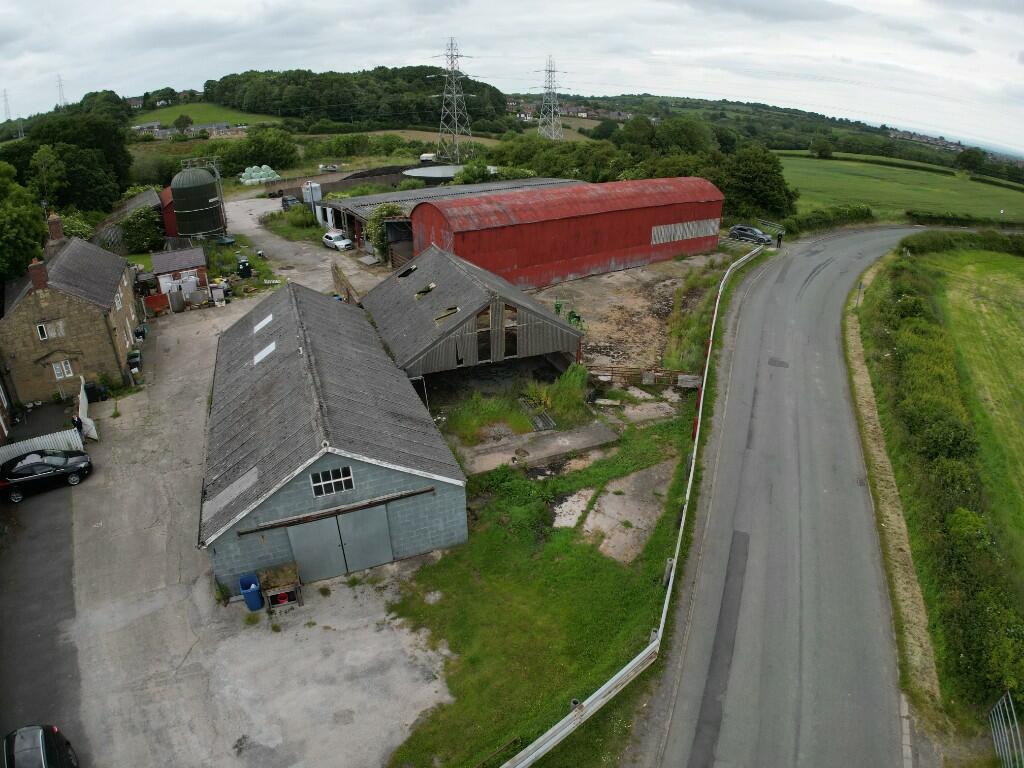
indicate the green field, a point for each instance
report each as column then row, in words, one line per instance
column 892, row 191
column 201, row 113
column 983, row 301
column 871, row 159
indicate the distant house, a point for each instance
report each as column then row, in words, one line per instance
column 319, row 452
column 73, row 313
column 163, row 103
column 440, row 312
column 213, row 129
column 149, row 127
column 135, row 102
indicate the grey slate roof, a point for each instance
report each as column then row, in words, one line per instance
column 86, row 271
column 175, row 261
column 406, row 323
column 80, row 269
column 327, row 381
column 364, row 205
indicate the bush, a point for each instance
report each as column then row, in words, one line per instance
column 959, row 220
column 827, row 218
column 917, row 380
column 141, row 231
column 407, row 184
column 75, row 225
column 565, row 398
column 300, row 216
column 988, row 240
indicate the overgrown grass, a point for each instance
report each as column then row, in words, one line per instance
column 469, row 418
column 929, row 410
column 564, row 398
column 690, row 321
column 297, row 224
column 535, row 616
column 222, row 261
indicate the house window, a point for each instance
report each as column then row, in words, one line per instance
column 331, row 481
column 408, row 271
column 425, row 290
column 41, row 332
column 62, row 370
column 117, row 301
column 263, row 323
column 447, row 312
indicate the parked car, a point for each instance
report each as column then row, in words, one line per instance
column 224, row 240
column 275, row 193
column 38, row 746
column 338, row 240
column 38, row 470
column 752, row 234
column 288, row 201
column 328, row 167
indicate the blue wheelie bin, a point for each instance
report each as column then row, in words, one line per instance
column 250, row 586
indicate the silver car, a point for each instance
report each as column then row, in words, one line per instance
column 338, row 240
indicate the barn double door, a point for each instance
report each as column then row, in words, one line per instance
column 341, row 544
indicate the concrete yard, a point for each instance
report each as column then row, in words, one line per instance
column 625, row 313
column 149, row 664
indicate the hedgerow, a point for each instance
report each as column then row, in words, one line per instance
column 972, row 604
column 827, row 218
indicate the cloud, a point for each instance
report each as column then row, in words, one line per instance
column 1011, row 7
column 783, row 10
column 1020, row 57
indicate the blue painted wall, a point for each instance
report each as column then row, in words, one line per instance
column 418, row 524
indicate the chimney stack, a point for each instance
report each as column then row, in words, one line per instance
column 37, row 272
column 55, row 226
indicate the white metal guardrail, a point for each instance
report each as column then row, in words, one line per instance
column 584, row 710
column 1006, row 735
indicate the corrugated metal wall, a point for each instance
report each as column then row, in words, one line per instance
column 541, row 253
column 536, row 335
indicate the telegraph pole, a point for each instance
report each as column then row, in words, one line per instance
column 7, row 115
column 454, row 117
column 61, row 100
column 550, row 126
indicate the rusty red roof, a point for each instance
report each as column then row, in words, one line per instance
column 533, row 205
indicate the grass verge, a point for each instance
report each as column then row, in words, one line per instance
column 924, row 395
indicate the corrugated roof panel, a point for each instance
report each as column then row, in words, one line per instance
column 492, row 211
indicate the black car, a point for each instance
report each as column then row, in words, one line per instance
column 42, row 469
column 753, row 234
column 38, row 746
column 288, row 201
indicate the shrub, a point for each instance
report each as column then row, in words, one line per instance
column 376, row 230
column 565, row 397
column 407, row 184
column 986, row 240
column 300, row 216
column 141, row 231
column 949, row 218
column 75, row 225
column 827, row 218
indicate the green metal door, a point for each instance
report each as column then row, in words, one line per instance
column 367, row 538
column 317, row 550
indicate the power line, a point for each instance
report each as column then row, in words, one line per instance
column 550, row 125
column 454, row 116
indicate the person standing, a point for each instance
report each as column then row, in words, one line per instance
column 778, row 240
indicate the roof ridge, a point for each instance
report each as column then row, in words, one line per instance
column 306, row 352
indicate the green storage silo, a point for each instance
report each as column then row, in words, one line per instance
column 197, row 203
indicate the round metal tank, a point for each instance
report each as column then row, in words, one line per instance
column 197, row 203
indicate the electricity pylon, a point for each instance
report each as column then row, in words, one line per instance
column 550, row 126
column 454, row 117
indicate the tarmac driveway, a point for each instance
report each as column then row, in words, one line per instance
column 167, row 676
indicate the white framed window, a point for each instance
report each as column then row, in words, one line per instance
column 331, row 481
column 263, row 323
column 41, row 332
column 117, row 301
column 62, row 370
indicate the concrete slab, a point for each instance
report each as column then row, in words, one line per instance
column 570, row 509
column 650, row 411
column 536, row 447
column 625, row 515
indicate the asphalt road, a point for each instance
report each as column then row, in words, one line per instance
column 39, row 676
column 788, row 656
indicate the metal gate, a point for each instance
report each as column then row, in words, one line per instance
column 317, row 550
column 1006, row 734
column 341, row 544
column 367, row 537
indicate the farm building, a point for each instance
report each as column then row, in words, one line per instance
column 319, row 452
column 542, row 236
column 109, row 234
column 349, row 214
column 439, row 312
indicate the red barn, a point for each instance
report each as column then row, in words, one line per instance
column 536, row 237
column 167, row 212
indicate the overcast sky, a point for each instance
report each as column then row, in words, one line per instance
column 950, row 67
